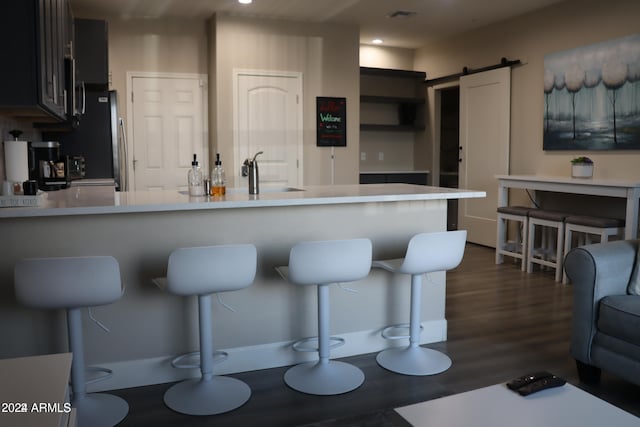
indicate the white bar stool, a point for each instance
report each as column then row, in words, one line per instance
column 518, row 248
column 73, row 283
column 426, row 253
column 587, row 226
column 545, row 254
column 322, row 263
column 203, row 271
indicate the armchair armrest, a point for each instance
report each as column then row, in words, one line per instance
column 596, row 271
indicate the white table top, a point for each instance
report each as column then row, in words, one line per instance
column 498, row 406
column 104, row 200
column 34, row 380
column 569, row 180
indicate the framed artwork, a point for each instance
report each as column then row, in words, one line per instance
column 592, row 97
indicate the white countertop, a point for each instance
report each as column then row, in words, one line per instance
column 104, row 200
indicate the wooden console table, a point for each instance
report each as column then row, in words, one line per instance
column 629, row 190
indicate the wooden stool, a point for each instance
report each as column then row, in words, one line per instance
column 516, row 249
column 588, row 226
column 548, row 256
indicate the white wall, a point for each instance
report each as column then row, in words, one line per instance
column 386, row 57
column 560, row 27
column 327, row 57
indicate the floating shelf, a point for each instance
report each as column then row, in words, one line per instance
column 391, row 128
column 386, row 72
column 374, row 99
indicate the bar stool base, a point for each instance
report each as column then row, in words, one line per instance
column 100, row 410
column 207, row 397
column 324, row 379
column 413, row 361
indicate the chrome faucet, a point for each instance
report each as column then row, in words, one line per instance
column 250, row 168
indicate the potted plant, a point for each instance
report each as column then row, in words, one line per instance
column 582, row 167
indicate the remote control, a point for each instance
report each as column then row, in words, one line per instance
column 541, row 384
column 527, row 379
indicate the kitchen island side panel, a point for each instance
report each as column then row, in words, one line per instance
column 149, row 327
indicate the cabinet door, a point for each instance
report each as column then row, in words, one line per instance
column 51, row 52
column 408, row 178
column 373, row 178
column 45, row 26
column 92, row 52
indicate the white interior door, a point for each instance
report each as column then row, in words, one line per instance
column 268, row 117
column 485, row 106
column 167, row 124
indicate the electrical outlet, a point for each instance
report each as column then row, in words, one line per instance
column 380, row 155
column 363, row 156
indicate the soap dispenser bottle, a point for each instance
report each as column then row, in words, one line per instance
column 195, row 179
column 218, row 179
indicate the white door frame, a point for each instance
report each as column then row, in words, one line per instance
column 237, row 72
column 129, row 127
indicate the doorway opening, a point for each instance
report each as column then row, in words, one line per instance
column 450, row 147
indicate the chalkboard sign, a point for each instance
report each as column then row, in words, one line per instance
column 331, row 119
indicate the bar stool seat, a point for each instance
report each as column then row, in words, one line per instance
column 322, row 263
column 72, row 283
column 203, row 271
column 586, row 226
column 546, row 254
column 426, row 253
column 516, row 249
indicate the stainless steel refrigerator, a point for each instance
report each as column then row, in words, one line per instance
column 99, row 138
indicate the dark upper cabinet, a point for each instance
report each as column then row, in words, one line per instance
column 92, row 52
column 34, row 40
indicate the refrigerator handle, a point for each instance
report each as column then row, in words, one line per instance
column 125, row 152
column 84, row 98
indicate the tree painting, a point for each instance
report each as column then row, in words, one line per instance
column 592, row 97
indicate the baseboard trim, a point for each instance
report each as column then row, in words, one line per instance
column 158, row 370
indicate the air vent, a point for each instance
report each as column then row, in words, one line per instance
column 401, row 14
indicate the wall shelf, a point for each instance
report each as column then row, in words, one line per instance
column 387, row 72
column 391, row 100
column 375, row 99
column 391, row 128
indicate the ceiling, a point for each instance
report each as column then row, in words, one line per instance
column 433, row 19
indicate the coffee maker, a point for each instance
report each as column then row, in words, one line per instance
column 46, row 166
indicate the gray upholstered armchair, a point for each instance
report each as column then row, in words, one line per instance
column 605, row 332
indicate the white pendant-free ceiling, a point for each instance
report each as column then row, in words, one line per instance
column 425, row 20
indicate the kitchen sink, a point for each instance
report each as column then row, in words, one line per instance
column 265, row 189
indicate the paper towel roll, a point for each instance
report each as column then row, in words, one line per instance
column 16, row 161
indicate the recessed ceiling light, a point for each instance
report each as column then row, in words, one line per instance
column 377, row 41
column 244, row 1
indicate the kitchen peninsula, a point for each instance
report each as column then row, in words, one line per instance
column 149, row 327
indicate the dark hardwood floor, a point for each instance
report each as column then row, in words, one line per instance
column 502, row 323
